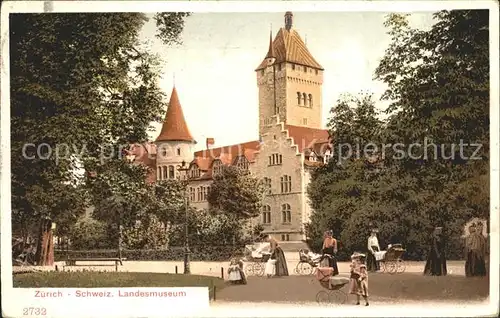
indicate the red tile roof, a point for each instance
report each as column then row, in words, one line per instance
column 289, row 47
column 174, row 126
column 305, row 137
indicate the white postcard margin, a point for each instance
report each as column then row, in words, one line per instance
column 251, row 309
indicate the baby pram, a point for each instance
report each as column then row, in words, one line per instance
column 390, row 260
column 308, row 261
column 256, row 256
column 333, row 285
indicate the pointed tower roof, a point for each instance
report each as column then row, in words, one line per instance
column 174, row 126
column 270, row 52
column 289, row 47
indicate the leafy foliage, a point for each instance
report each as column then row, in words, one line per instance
column 88, row 233
column 438, row 88
column 82, row 86
column 236, row 193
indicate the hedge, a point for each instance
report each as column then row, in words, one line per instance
column 198, row 253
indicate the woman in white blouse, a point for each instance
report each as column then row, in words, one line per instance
column 371, row 262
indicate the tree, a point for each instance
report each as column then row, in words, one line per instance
column 237, row 193
column 438, row 90
column 81, row 86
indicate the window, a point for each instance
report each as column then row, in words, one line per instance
column 286, row 214
column 242, row 163
column 192, row 194
column 304, row 121
column 304, row 96
column 171, row 172
column 279, row 67
column 312, row 157
column 286, row 184
column 316, row 72
column 158, row 173
column 195, row 171
column 305, row 69
column 202, row 194
column 266, row 214
column 310, row 100
column 164, row 152
column 178, row 151
column 327, row 157
column 299, row 97
column 275, row 159
column 165, row 173
column 285, row 237
column 217, row 167
column 293, row 67
column 199, row 192
column 267, row 185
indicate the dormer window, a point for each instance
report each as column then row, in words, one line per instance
column 194, row 172
column 217, row 167
column 312, row 157
column 242, row 163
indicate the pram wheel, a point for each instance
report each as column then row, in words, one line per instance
column 401, row 267
column 338, row 297
column 322, row 297
column 303, row 268
column 391, row 267
column 332, row 297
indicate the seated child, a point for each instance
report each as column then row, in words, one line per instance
column 235, row 272
column 359, row 278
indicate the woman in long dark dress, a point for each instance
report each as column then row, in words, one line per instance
column 277, row 254
column 436, row 259
column 330, row 249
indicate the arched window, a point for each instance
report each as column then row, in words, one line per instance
column 165, row 173
column 179, row 149
column 266, row 214
column 158, row 173
column 299, row 98
column 171, row 172
column 268, row 185
column 217, row 167
column 310, row 100
column 286, row 214
column 304, row 96
column 192, row 194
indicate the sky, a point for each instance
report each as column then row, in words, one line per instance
column 214, row 68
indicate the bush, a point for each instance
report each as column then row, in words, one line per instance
column 89, row 233
column 150, row 233
column 176, row 253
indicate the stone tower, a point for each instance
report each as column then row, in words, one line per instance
column 290, row 82
column 174, row 145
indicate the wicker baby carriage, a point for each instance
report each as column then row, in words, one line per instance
column 255, row 262
column 392, row 261
column 307, row 264
column 333, row 286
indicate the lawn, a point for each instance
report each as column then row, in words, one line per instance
column 90, row 279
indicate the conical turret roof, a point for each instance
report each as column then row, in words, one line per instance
column 174, row 126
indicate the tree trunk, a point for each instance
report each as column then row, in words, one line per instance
column 45, row 247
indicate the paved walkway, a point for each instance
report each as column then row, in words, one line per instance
column 384, row 288
column 214, row 268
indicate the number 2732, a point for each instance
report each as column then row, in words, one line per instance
column 34, row 311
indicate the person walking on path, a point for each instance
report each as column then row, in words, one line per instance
column 436, row 258
column 330, row 249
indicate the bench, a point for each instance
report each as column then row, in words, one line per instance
column 117, row 260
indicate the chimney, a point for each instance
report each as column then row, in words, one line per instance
column 288, row 20
column 210, row 142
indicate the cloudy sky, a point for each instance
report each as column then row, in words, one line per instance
column 214, row 67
